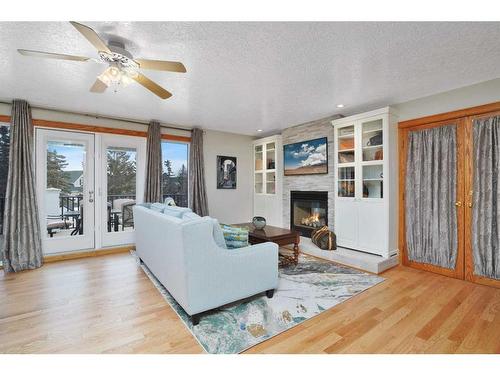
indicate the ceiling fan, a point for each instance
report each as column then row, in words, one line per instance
column 122, row 67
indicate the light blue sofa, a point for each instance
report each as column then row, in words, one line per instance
column 180, row 249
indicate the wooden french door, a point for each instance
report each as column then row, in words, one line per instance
column 469, row 273
column 458, row 271
column 464, row 120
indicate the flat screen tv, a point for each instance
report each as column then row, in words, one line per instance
column 308, row 157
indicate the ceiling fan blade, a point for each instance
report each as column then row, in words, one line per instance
column 98, row 87
column 91, row 36
column 169, row 66
column 152, row 86
column 50, row 55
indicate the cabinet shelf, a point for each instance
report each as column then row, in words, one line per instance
column 346, row 136
column 372, row 131
column 371, row 147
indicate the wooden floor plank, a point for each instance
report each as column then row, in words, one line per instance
column 108, row 305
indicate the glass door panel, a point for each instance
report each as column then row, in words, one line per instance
column 270, row 155
column 270, row 183
column 121, row 191
column 122, row 175
column 346, row 145
column 65, row 188
column 259, row 156
column 373, row 181
column 346, row 182
column 372, row 140
column 259, row 183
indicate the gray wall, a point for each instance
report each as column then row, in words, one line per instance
column 464, row 97
column 318, row 182
column 229, row 206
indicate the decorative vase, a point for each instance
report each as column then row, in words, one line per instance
column 259, row 222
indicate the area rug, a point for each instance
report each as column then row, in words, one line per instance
column 305, row 290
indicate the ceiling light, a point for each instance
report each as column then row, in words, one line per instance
column 259, row 130
column 340, row 106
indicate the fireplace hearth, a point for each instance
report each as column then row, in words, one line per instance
column 308, row 211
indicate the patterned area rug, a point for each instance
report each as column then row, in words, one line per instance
column 304, row 291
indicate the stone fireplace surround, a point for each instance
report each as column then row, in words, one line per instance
column 317, row 182
column 324, row 182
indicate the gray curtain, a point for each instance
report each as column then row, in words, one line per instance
column 22, row 247
column 197, row 190
column 430, row 193
column 152, row 190
column 486, row 211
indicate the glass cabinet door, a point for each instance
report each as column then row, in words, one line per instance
column 259, row 157
column 346, row 182
column 271, row 155
column 346, row 145
column 372, row 140
column 271, row 183
column 373, row 158
column 259, row 182
column 373, row 181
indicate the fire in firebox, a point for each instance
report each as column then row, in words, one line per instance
column 313, row 221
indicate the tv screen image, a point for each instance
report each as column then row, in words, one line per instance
column 307, row 157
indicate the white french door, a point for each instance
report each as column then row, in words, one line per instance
column 65, row 189
column 87, row 185
column 122, row 161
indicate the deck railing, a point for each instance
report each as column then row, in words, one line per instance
column 72, row 202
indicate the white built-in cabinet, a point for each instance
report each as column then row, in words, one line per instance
column 268, row 172
column 365, row 182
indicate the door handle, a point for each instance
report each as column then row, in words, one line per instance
column 91, row 196
column 458, row 204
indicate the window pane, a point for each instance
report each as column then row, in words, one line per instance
column 4, row 168
column 121, row 174
column 63, row 193
column 175, row 172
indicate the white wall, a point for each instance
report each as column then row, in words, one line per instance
column 470, row 96
column 229, row 206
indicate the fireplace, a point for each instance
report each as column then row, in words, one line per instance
column 308, row 211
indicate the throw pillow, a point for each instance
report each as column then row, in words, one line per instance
column 235, row 237
column 218, row 234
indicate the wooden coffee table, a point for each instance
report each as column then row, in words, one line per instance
column 280, row 236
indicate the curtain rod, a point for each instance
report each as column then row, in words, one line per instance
column 103, row 117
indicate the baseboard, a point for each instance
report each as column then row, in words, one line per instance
column 87, row 253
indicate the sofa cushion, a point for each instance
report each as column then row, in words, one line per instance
column 235, row 237
column 158, row 207
column 190, row 216
column 175, row 211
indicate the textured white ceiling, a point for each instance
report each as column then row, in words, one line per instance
column 247, row 76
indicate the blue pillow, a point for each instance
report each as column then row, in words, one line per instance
column 235, row 237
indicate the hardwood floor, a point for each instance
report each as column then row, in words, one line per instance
column 108, row 305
